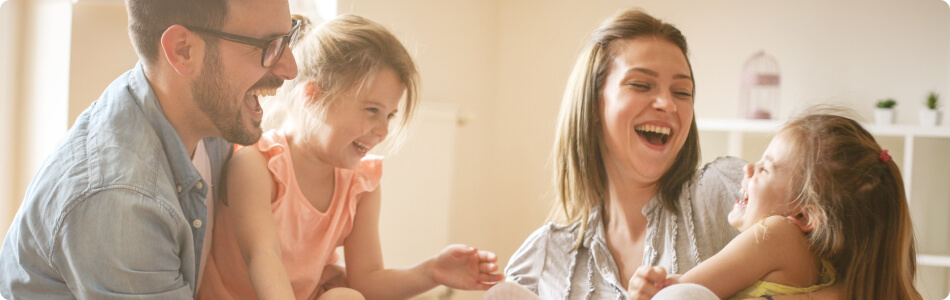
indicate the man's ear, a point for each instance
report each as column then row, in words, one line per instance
column 803, row 219
column 182, row 49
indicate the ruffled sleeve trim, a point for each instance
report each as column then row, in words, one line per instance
column 366, row 178
column 273, row 145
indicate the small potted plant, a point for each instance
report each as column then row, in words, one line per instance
column 931, row 116
column 884, row 113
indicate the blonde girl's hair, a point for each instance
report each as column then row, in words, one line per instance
column 339, row 56
column 855, row 200
column 580, row 176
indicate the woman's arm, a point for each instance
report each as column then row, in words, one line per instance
column 457, row 266
column 250, row 189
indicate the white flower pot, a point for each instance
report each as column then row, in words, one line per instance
column 884, row 116
column 929, row 117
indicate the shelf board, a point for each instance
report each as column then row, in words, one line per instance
column 770, row 126
column 933, row 260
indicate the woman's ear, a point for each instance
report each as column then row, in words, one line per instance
column 803, row 219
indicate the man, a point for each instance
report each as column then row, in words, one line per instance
column 122, row 207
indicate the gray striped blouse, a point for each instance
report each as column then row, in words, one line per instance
column 547, row 265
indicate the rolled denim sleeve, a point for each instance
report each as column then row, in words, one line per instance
column 122, row 244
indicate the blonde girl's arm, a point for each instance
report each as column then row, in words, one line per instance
column 250, row 188
column 748, row 258
column 457, row 266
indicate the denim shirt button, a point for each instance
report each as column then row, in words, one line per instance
column 198, row 185
column 179, row 188
column 196, row 223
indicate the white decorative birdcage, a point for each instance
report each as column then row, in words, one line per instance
column 759, row 91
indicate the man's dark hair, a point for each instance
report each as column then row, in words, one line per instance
column 148, row 20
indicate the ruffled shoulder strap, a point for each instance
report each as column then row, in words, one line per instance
column 273, row 145
column 367, row 174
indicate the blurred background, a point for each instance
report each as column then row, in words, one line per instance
column 476, row 167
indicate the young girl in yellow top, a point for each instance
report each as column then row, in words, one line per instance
column 310, row 186
column 824, row 206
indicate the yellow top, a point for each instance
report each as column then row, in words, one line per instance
column 825, row 279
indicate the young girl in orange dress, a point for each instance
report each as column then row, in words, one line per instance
column 309, row 186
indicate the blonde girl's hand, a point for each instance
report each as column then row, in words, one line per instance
column 464, row 267
column 646, row 282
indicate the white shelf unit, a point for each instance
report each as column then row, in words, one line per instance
column 735, row 128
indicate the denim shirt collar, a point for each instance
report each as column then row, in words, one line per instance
column 183, row 171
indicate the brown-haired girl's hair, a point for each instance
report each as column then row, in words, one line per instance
column 580, row 176
column 340, row 55
column 854, row 197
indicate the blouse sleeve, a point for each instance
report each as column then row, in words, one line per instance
column 717, row 191
column 525, row 266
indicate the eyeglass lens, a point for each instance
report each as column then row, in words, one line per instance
column 273, row 51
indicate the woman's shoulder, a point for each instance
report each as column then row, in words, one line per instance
column 726, row 168
column 545, row 250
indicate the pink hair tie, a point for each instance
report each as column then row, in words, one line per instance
column 884, row 156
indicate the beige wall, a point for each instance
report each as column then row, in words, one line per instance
column 96, row 61
column 9, row 23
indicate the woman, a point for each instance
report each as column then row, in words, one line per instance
column 626, row 156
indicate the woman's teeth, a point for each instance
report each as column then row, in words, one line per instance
column 656, row 135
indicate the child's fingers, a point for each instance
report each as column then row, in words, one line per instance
column 487, row 267
column 484, row 277
column 483, row 286
column 487, row 256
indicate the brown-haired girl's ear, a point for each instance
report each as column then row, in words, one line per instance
column 802, row 220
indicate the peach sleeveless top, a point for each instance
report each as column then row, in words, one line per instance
column 308, row 237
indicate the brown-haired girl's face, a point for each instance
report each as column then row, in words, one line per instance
column 646, row 107
column 359, row 121
column 766, row 186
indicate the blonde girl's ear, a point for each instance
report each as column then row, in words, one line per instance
column 312, row 90
column 803, row 219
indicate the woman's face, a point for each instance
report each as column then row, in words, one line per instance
column 646, row 107
column 765, row 186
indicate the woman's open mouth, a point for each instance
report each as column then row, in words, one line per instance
column 654, row 134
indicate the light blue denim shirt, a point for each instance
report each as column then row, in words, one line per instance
column 117, row 211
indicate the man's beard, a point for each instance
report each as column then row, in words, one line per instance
column 211, row 93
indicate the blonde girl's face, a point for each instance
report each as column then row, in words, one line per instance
column 646, row 107
column 359, row 121
column 766, row 186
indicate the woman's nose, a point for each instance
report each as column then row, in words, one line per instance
column 664, row 102
column 747, row 170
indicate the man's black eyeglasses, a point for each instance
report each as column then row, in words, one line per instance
column 273, row 47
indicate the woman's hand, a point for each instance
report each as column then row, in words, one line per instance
column 464, row 267
column 647, row 281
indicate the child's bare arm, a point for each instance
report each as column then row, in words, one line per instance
column 457, row 266
column 250, row 188
column 747, row 258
